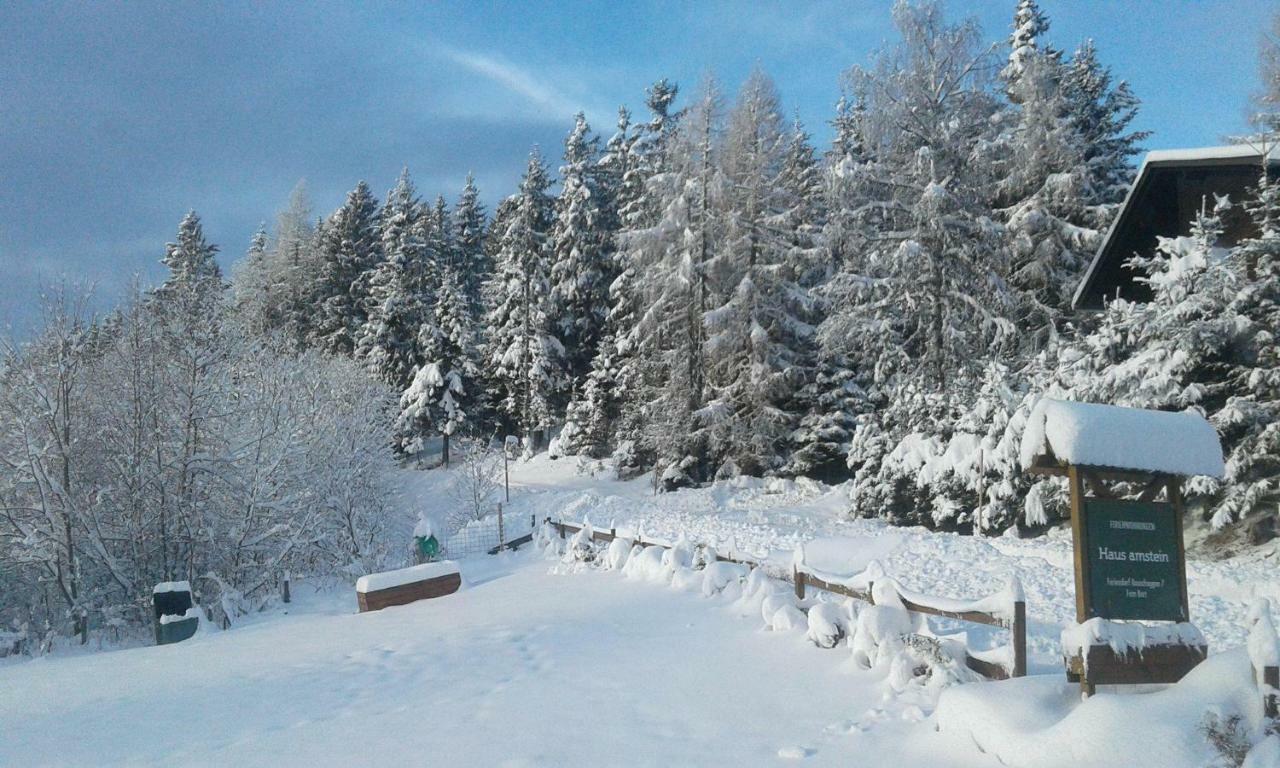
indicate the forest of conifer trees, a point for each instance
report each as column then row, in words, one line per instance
column 696, row 292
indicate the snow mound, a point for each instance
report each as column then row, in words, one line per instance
column 615, row 558
column 718, row 576
column 840, row 558
column 388, row 579
column 1040, row 721
column 828, row 624
column 1089, row 434
column 646, row 565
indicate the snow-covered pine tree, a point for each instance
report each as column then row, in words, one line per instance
column 580, row 271
column 590, row 416
column 1042, row 194
column 251, row 288
column 439, row 399
column 294, row 264
column 473, row 262
column 823, row 200
column 192, row 262
column 1249, row 422
column 638, row 157
column 442, row 246
column 1101, row 113
column 927, row 304
column 672, row 256
column 349, row 250
column 401, row 288
column 757, row 350
column 1025, row 44
column 525, row 358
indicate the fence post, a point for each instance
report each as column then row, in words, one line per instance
column 1019, row 639
column 560, row 526
column 502, row 539
column 799, row 579
column 1270, row 699
column 284, row 591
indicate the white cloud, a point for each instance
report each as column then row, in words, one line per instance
column 517, row 79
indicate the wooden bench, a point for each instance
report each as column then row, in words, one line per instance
column 407, row 585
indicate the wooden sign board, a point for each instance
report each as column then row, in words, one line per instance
column 1133, row 560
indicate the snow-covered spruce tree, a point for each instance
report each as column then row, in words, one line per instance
column 350, row 247
column 473, row 263
column 615, row 401
column 757, row 348
column 1176, row 351
column 1249, row 422
column 591, row 415
column 1025, row 44
column 580, row 270
column 1101, row 112
column 294, row 265
column 525, row 357
column 271, row 289
column 252, row 289
column 929, row 303
column 401, row 288
column 439, row 399
column 1043, row 194
column 672, row 257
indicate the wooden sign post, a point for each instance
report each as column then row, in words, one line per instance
column 1130, row 560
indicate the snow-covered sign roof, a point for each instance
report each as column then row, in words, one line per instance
column 1093, row 435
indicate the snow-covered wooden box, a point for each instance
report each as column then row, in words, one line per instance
column 407, row 585
column 176, row 616
column 1103, row 652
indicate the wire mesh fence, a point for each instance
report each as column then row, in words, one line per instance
column 471, row 540
column 482, row 537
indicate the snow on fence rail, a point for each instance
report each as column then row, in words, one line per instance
column 1006, row 609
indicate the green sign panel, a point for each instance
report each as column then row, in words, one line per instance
column 1132, row 552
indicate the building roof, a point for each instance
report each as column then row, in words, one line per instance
column 1208, row 158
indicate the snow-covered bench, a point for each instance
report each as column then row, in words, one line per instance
column 407, row 585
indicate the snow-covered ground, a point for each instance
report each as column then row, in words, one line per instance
column 771, row 517
column 538, row 664
column 522, row 667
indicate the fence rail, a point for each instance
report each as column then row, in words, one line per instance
column 1016, row 623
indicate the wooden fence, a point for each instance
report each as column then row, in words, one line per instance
column 1015, row 621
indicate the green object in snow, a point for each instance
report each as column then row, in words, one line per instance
column 428, row 547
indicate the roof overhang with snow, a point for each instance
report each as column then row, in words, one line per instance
column 1109, row 437
column 1170, row 186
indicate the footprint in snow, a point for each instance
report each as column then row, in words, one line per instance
column 794, row 753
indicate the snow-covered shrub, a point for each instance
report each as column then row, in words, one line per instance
column 615, row 557
column 1227, row 737
column 680, row 555
column 686, row 579
column 582, row 546
column 718, row 576
column 787, row 618
column 828, row 624
column 647, row 565
column 878, row 634
column 774, row 602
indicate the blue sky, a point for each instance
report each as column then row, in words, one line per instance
column 115, row 118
